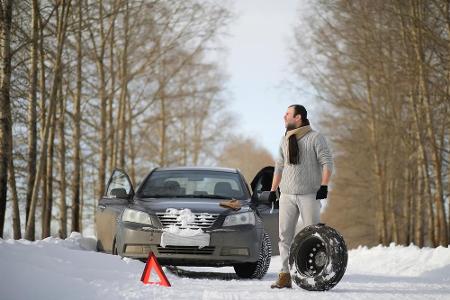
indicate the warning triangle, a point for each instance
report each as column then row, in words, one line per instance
column 153, row 265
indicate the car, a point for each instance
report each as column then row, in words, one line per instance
column 181, row 215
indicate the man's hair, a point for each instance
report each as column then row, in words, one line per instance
column 301, row 110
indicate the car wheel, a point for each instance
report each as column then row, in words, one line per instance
column 114, row 247
column 98, row 246
column 258, row 269
column 318, row 258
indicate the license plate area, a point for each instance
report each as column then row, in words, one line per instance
column 199, row 240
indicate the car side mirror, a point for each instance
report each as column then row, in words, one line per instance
column 120, row 193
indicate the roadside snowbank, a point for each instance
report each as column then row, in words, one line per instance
column 71, row 269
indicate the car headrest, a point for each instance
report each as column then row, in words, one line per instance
column 172, row 184
column 223, row 188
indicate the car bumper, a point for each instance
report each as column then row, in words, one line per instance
column 227, row 246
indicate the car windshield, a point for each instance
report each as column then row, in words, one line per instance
column 193, row 184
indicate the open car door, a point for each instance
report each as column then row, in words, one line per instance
column 269, row 214
column 118, row 195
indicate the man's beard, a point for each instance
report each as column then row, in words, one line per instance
column 290, row 126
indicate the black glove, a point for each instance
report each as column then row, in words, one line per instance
column 272, row 197
column 322, row 193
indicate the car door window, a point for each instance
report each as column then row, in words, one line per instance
column 263, row 180
column 119, row 180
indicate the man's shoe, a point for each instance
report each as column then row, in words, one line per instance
column 284, row 281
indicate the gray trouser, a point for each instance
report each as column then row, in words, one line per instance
column 295, row 213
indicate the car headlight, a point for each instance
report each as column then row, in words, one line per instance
column 136, row 216
column 240, row 219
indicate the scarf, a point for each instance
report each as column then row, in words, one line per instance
column 291, row 137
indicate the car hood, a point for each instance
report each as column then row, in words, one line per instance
column 212, row 206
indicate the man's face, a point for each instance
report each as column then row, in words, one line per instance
column 291, row 122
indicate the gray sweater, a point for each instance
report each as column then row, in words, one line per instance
column 305, row 177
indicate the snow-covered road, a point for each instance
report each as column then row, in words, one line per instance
column 71, row 269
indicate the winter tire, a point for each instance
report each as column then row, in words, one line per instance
column 318, row 258
column 99, row 247
column 258, row 269
column 114, row 248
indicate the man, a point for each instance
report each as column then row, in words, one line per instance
column 302, row 171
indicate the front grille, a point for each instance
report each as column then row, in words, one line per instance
column 186, row 250
column 202, row 220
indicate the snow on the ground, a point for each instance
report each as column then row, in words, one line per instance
column 71, row 269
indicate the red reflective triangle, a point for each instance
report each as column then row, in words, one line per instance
column 152, row 264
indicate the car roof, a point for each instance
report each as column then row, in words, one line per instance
column 198, row 168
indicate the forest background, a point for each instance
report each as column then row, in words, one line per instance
column 89, row 86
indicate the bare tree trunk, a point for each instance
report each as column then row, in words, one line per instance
column 5, row 103
column 43, row 114
column 123, row 131
column 391, row 206
column 75, row 226
column 112, row 92
column 82, row 198
column 132, row 152
column 184, row 142
column 124, row 89
column 381, row 201
column 12, row 184
column 103, row 104
column 48, row 201
column 120, row 136
column 102, row 165
column 60, row 31
column 424, row 195
column 45, row 117
column 163, row 130
column 423, row 160
column 122, row 127
column 419, row 212
column 448, row 191
column 447, row 18
column 32, row 124
column 62, row 168
column 408, row 208
column 430, row 130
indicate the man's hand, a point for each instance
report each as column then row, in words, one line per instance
column 322, row 193
column 272, row 197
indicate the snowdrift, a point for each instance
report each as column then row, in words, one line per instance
column 71, row 269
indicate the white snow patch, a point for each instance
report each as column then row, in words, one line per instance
column 69, row 269
column 186, row 232
column 182, row 235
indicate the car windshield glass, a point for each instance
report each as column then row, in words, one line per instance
column 193, row 184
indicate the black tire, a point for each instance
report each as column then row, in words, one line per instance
column 258, row 269
column 318, row 258
column 114, row 248
column 99, row 247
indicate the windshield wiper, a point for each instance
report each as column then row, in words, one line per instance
column 207, row 196
column 188, row 196
column 155, row 196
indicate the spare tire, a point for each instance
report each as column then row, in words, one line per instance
column 318, row 258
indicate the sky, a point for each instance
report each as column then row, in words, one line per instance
column 258, row 66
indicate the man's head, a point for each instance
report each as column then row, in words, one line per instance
column 296, row 116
